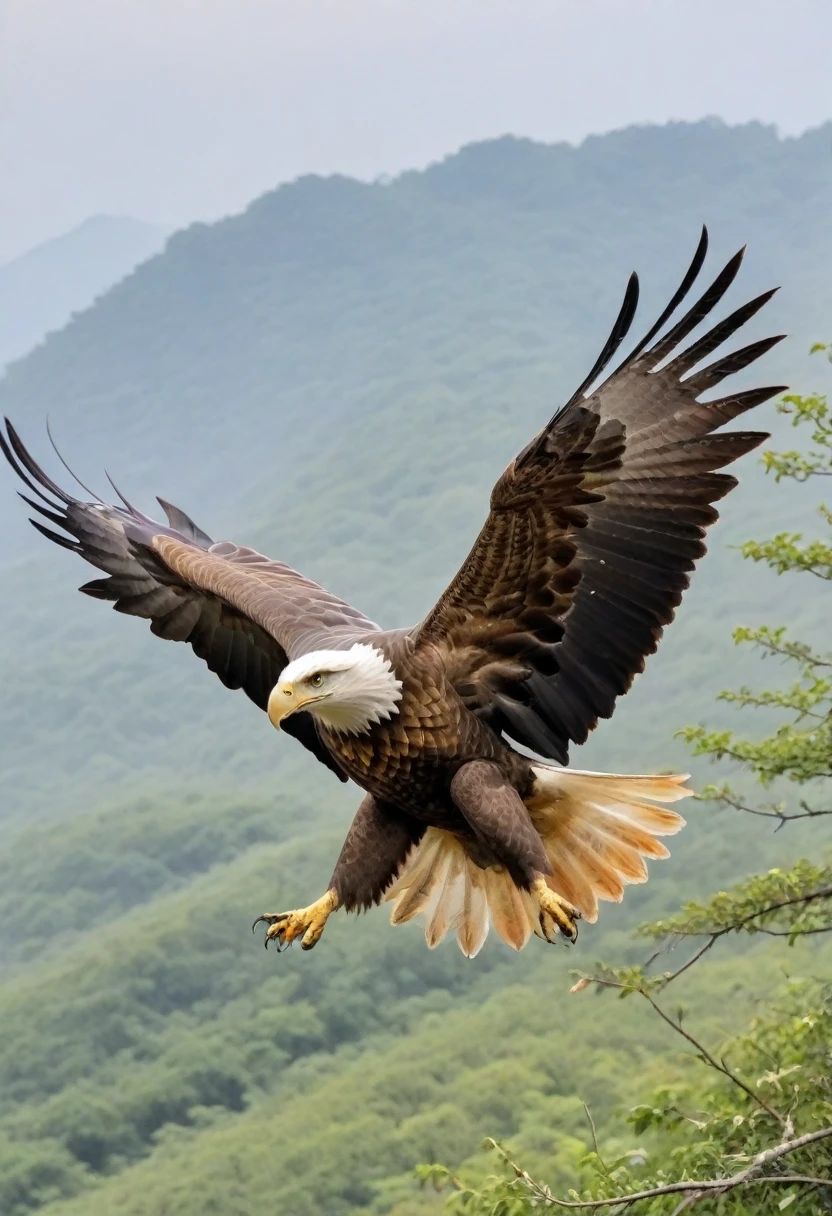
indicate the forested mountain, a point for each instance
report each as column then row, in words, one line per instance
column 42, row 288
column 337, row 376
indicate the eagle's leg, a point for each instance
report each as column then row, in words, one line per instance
column 377, row 844
column 499, row 818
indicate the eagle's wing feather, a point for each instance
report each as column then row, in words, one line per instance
column 595, row 528
column 243, row 614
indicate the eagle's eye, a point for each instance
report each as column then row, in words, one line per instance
column 317, row 680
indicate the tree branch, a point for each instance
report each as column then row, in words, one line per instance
column 715, row 934
column 790, row 650
column 752, row 1175
column 704, row 1055
column 770, row 812
column 718, row 1065
column 713, row 938
column 794, row 933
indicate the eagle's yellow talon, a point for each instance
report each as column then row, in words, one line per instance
column 557, row 915
column 305, row 923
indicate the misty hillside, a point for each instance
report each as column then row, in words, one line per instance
column 338, row 376
column 42, row 288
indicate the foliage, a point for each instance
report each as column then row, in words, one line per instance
column 719, row 1148
column 753, row 1134
column 788, row 903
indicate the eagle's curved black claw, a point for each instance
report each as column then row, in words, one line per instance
column 554, row 934
column 270, row 919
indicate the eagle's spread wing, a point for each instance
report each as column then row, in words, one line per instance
column 595, row 528
column 243, row 614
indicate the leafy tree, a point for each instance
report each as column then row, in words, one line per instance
column 753, row 1134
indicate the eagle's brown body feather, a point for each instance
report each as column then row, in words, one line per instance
column 588, row 546
column 410, row 759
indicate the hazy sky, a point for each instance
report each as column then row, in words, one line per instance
column 171, row 110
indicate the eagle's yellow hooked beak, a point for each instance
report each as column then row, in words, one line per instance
column 283, row 700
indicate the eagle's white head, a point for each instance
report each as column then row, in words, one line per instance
column 347, row 690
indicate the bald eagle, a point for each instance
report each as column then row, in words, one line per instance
column 591, row 536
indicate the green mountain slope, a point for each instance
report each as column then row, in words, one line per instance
column 343, row 1139
column 338, row 376
column 134, row 1023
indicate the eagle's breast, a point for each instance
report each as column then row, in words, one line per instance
column 408, row 759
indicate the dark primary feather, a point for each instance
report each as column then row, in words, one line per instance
column 122, row 543
column 595, row 528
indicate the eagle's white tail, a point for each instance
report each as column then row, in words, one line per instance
column 597, row 828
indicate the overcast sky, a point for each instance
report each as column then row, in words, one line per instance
column 172, row 110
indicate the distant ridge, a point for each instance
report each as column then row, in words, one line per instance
column 40, row 289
